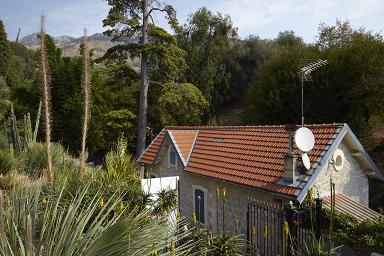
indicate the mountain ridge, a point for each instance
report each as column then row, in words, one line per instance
column 70, row 45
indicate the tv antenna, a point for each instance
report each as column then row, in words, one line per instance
column 305, row 141
column 305, row 75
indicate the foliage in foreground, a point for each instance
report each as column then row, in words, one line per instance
column 32, row 223
column 207, row 243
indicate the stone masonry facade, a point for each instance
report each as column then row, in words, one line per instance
column 350, row 180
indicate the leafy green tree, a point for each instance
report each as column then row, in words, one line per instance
column 182, row 104
column 4, row 50
column 4, row 98
column 288, row 40
column 114, row 104
column 349, row 89
column 207, row 38
column 155, row 47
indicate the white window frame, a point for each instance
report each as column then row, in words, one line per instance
column 205, row 190
column 169, row 158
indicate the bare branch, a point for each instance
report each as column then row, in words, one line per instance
column 150, row 16
column 157, row 9
column 154, row 82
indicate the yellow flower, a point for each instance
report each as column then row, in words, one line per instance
column 172, row 248
column 265, row 231
column 178, row 216
column 194, row 218
column 121, row 206
column 44, row 200
column 101, row 202
column 285, row 228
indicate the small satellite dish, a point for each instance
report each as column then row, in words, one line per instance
column 304, row 139
column 306, row 162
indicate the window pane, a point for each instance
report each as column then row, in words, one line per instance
column 199, row 205
column 172, row 157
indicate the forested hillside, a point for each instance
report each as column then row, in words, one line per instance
column 203, row 74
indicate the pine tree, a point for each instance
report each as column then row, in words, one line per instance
column 133, row 18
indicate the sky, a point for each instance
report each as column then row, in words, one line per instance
column 265, row 18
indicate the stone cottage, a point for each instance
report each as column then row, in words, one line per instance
column 252, row 162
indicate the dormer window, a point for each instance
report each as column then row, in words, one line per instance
column 172, row 157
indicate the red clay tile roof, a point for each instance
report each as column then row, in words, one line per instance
column 148, row 157
column 347, row 206
column 248, row 155
column 184, row 140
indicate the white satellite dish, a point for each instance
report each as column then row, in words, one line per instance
column 306, row 162
column 304, row 139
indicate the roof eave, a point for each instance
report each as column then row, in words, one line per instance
column 365, row 154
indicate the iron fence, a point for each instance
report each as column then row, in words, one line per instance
column 275, row 230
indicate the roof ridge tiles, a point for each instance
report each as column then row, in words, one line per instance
column 247, row 126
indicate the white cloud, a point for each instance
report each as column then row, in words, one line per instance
column 266, row 18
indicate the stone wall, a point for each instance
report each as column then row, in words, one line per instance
column 235, row 208
column 350, row 180
column 161, row 167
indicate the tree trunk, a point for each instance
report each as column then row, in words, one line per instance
column 143, row 105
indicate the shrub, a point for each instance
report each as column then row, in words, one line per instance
column 361, row 234
column 33, row 161
column 6, row 162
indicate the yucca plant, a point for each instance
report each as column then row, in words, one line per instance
column 121, row 168
column 32, row 223
column 29, row 135
column 166, row 201
column 228, row 245
column 6, row 162
column 315, row 248
column 33, row 160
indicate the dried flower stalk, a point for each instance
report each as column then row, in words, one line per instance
column 46, row 98
column 86, row 112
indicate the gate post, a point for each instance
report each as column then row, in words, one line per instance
column 248, row 237
column 319, row 206
column 292, row 235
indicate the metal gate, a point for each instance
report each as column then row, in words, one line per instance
column 275, row 230
column 265, row 229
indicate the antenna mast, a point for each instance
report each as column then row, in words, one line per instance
column 305, row 75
